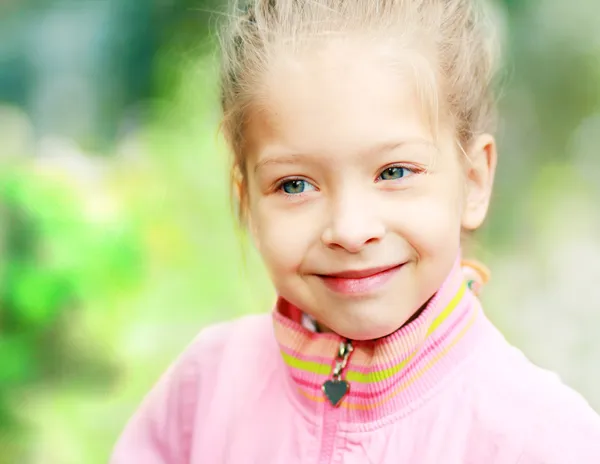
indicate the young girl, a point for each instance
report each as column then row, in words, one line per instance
column 362, row 152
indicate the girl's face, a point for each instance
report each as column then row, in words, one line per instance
column 354, row 206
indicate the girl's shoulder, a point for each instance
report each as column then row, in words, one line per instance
column 226, row 348
column 219, row 340
column 515, row 398
column 562, row 426
column 162, row 428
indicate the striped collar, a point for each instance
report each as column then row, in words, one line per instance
column 389, row 374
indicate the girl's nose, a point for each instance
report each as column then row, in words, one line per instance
column 353, row 224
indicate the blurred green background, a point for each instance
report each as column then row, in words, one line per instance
column 117, row 239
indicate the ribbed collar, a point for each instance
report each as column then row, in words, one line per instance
column 388, row 374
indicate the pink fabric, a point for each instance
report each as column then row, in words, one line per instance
column 232, row 397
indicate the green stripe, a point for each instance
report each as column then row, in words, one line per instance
column 373, row 377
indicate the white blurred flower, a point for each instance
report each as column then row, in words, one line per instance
column 87, row 174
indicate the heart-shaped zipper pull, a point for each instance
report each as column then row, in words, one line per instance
column 335, row 391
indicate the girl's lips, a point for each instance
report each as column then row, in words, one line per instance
column 360, row 282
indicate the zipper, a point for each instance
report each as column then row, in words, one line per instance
column 335, row 390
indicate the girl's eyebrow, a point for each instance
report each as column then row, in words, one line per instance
column 386, row 147
column 292, row 158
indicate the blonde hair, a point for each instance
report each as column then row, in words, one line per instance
column 453, row 35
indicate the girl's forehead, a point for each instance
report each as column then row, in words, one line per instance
column 338, row 64
column 337, row 99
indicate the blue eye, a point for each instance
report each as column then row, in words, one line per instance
column 296, row 186
column 393, row 173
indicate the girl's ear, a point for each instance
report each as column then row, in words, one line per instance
column 479, row 179
column 239, row 193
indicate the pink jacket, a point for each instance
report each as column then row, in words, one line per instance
column 445, row 389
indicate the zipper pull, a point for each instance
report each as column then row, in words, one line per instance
column 336, row 389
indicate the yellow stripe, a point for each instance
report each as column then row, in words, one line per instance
column 446, row 312
column 376, row 376
column 404, row 385
column 308, row 366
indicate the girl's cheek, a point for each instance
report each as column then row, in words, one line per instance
column 281, row 234
column 427, row 219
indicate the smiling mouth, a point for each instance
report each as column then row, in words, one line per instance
column 363, row 281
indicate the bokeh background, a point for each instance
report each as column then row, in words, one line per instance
column 117, row 239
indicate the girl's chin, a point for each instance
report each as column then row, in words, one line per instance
column 361, row 332
column 366, row 323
